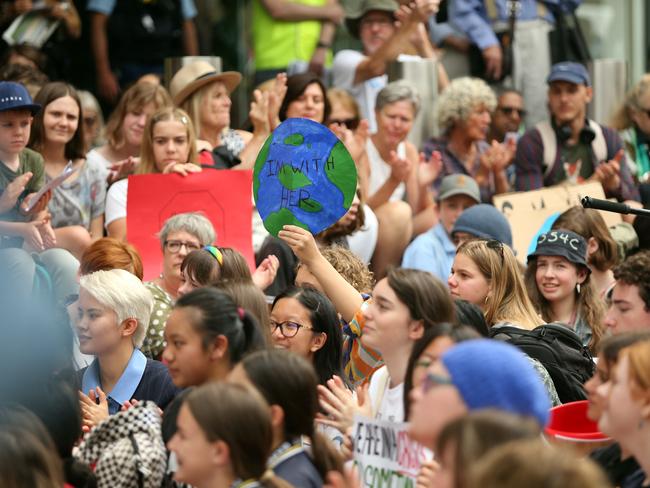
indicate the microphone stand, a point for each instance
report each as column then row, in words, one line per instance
column 607, row 206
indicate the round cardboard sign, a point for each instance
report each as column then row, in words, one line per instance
column 303, row 176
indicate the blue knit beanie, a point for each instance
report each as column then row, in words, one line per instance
column 484, row 221
column 494, row 374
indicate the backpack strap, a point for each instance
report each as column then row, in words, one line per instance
column 381, row 390
column 599, row 144
column 549, row 143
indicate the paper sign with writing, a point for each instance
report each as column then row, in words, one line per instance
column 223, row 196
column 384, row 453
column 303, row 176
column 533, row 212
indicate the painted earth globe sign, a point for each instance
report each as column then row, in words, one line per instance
column 303, row 176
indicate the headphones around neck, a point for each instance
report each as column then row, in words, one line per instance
column 563, row 132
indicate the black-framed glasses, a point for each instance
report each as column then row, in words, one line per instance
column 510, row 110
column 174, row 246
column 432, row 379
column 288, row 328
column 351, row 124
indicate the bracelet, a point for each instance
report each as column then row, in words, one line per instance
column 324, row 45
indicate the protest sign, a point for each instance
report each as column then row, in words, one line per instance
column 303, row 176
column 532, row 212
column 51, row 185
column 223, row 196
column 386, row 457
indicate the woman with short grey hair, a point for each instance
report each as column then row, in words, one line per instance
column 464, row 109
column 402, row 205
column 180, row 235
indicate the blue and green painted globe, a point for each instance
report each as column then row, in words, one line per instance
column 303, row 176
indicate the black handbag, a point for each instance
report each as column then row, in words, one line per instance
column 567, row 41
column 477, row 63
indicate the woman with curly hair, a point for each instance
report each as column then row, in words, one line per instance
column 464, row 119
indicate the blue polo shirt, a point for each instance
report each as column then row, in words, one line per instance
column 432, row 251
column 142, row 379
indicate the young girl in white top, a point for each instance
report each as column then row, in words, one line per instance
column 404, row 305
column 168, row 146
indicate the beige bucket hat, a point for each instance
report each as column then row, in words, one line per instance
column 196, row 75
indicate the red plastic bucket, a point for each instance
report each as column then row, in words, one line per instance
column 569, row 424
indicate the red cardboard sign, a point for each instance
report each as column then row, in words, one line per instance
column 223, row 196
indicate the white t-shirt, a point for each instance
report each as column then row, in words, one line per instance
column 116, row 201
column 363, row 241
column 344, row 68
column 380, row 170
column 390, row 400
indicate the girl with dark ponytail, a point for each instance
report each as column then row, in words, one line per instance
column 223, row 439
column 288, row 384
column 206, row 335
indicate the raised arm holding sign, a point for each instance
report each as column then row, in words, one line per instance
column 303, row 176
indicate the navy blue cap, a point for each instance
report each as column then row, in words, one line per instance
column 14, row 96
column 563, row 243
column 571, row 72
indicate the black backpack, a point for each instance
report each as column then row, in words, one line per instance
column 560, row 351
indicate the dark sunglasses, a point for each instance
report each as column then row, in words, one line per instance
column 351, row 124
column 509, row 111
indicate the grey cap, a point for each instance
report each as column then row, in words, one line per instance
column 459, row 184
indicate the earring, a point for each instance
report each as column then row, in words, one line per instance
column 487, row 297
column 578, row 288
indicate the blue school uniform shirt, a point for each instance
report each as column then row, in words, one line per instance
column 432, row 251
column 143, row 379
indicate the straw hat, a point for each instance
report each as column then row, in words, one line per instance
column 195, row 75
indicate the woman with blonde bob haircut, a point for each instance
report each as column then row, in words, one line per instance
column 486, row 273
column 113, row 312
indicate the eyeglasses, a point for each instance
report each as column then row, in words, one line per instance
column 509, row 111
column 351, row 124
column 288, row 329
column 432, row 379
column 90, row 120
column 175, row 246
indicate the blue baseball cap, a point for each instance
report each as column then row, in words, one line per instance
column 14, row 96
column 571, row 72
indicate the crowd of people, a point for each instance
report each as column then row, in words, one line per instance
column 414, row 309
